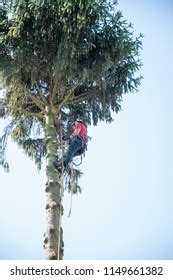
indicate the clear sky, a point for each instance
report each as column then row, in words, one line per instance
column 125, row 210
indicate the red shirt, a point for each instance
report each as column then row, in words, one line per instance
column 83, row 129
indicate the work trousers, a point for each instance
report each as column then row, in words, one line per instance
column 76, row 148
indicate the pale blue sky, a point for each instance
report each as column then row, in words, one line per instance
column 125, row 210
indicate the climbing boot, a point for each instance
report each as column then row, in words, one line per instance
column 57, row 165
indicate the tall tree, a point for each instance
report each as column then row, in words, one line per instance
column 62, row 60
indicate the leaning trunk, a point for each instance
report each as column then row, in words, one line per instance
column 53, row 242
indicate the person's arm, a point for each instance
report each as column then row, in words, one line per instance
column 76, row 131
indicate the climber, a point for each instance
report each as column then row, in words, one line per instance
column 77, row 144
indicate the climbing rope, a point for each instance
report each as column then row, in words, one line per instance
column 74, row 161
column 71, row 198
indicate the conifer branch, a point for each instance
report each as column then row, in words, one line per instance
column 40, row 103
column 71, row 92
column 30, row 114
column 82, row 97
column 42, row 97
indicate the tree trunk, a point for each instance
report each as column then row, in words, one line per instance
column 53, row 242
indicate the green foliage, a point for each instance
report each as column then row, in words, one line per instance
column 3, row 144
column 71, row 180
column 3, row 20
column 3, row 31
column 75, row 57
column 25, row 132
column 34, row 148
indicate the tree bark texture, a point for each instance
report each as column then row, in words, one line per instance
column 53, row 241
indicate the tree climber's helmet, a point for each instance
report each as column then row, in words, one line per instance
column 79, row 120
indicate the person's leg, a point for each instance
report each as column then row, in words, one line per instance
column 79, row 152
column 73, row 148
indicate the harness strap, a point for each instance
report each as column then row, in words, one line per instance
column 84, row 140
